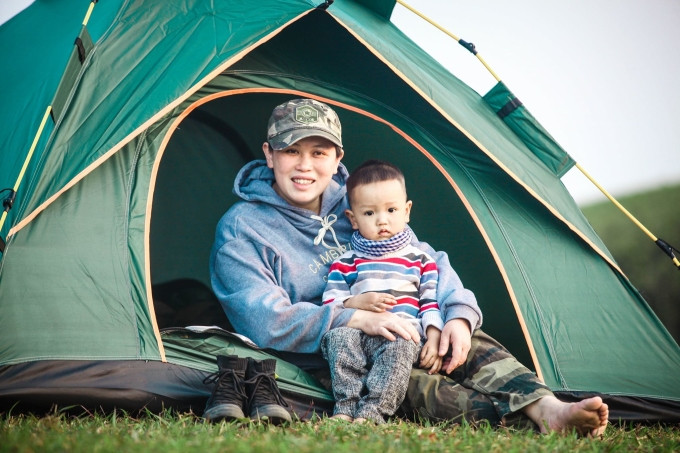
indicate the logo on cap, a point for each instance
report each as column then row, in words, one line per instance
column 306, row 114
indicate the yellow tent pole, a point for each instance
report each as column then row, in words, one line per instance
column 616, row 203
column 89, row 12
column 668, row 249
column 27, row 160
column 468, row 45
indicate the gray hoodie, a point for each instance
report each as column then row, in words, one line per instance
column 270, row 260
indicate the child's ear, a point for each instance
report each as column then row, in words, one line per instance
column 409, row 204
column 352, row 220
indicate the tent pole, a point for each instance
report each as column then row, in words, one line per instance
column 89, row 12
column 468, row 45
column 26, row 161
column 663, row 245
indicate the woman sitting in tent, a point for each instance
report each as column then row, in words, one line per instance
column 273, row 249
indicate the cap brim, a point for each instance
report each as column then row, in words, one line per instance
column 285, row 139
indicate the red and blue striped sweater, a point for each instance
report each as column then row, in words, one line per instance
column 409, row 274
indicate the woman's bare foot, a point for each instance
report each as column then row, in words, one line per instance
column 588, row 417
column 360, row 420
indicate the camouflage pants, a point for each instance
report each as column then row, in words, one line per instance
column 492, row 385
column 369, row 374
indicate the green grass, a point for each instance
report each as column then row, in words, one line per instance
column 170, row 432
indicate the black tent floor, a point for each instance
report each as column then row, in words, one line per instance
column 137, row 385
column 133, row 386
column 632, row 409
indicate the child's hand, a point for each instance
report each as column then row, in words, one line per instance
column 375, row 302
column 429, row 355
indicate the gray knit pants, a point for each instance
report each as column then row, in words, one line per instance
column 369, row 374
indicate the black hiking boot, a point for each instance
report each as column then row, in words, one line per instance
column 229, row 396
column 266, row 403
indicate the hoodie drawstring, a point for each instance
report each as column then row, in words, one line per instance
column 326, row 224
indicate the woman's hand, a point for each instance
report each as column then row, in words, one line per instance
column 457, row 335
column 385, row 324
column 371, row 301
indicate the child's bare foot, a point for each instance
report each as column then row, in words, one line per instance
column 343, row 417
column 588, row 417
column 360, row 420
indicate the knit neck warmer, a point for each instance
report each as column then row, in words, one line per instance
column 379, row 248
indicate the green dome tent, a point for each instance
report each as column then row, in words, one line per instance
column 161, row 103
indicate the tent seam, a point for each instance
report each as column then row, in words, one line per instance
column 128, row 207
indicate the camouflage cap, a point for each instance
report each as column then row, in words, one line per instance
column 301, row 118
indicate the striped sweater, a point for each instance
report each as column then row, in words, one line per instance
column 409, row 274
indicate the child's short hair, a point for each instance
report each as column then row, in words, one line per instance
column 373, row 171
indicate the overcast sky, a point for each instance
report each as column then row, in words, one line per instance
column 602, row 76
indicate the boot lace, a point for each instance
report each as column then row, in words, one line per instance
column 223, row 391
column 265, row 390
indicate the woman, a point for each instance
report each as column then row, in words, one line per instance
column 272, row 252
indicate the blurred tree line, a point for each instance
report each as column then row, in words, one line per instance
column 649, row 269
